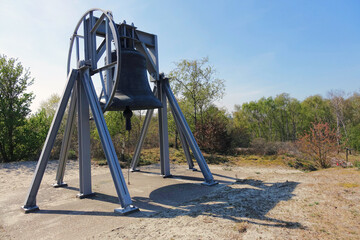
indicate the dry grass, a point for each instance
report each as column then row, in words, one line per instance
column 241, row 226
column 177, row 156
column 349, row 185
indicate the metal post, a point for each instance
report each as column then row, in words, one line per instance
column 30, row 202
column 92, row 42
column 108, row 59
column 184, row 144
column 115, row 169
column 209, row 180
column 144, row 130
column 163, row 132
column 87, row 55
column 65, row 145
column 84, row 142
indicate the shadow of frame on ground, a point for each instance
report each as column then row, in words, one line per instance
column 245, row 200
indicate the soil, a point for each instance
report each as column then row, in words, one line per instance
column 250, row 202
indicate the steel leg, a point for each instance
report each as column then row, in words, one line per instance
column 140, row 143
column 115, row 169
column 30, row 202
column 209, row 180
column 84, row 142
column 144, row 130
column 163, row 132
column 69, row 128
column 184, row 144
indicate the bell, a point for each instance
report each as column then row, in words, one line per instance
column 133, row 91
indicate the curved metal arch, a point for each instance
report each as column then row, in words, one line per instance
column 116, row 38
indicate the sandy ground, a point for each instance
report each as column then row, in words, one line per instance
column 249, row 203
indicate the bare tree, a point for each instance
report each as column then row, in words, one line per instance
column 338, row 104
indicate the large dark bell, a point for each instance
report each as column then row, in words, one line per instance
column 133, row 90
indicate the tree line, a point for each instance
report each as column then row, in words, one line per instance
column 274, row 119
column 284, row 118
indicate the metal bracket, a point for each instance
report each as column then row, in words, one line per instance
column 30, row 209
column 57, row 185
column 127, row 210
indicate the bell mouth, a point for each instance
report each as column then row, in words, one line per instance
column 133, row 89
column 121, row 101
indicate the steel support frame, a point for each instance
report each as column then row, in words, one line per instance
column 184, row 143
column 109, row 149
column 147, row 44
column 86, row 96
column 30, row 202
column 84, row 141
column 163, row 133
column 143, row 132
column 65, row 145
column 185, row 129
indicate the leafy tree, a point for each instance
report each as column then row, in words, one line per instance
column 14, row 106
column 33, row 135
column 253, row 114
column 351, row 119
column 195, row 82
column 50, row 105
column 351, row 109
column 315, row 109
column 268, row 109
column 281, row 116
column 354, row 139
column 260, row 115
column 240, row 129
column 294, row 110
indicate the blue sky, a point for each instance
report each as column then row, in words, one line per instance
column 260, row 48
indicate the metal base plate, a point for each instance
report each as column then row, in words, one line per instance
column 57, row 185
column 30, row 209
column 212, row 183
column 81, row 195
column 193, row 169
column 167, row 176
column 127, row 210
column 134, row 170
